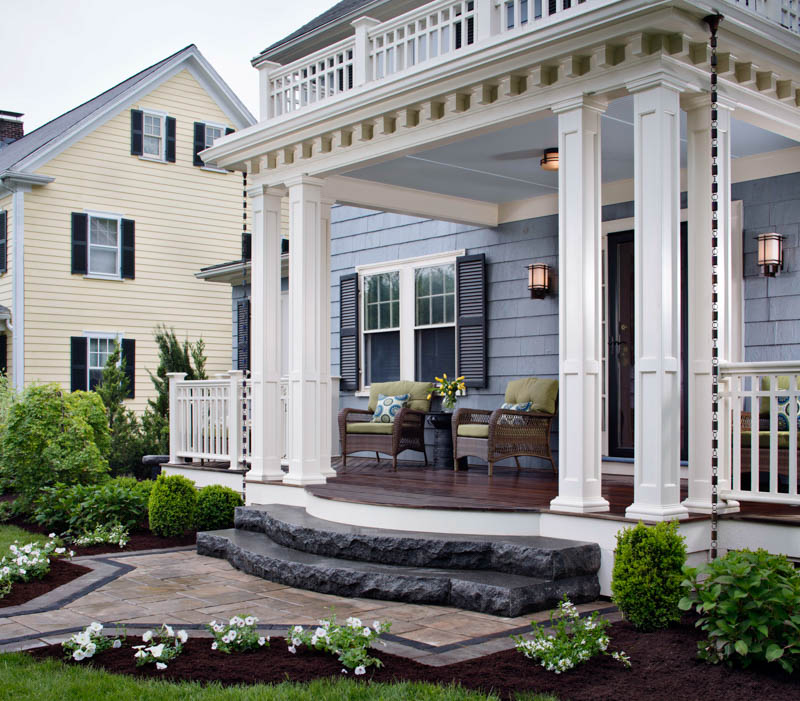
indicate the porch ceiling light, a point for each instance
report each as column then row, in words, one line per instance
column 539, row 280
column 770, row 253
column 550, row 159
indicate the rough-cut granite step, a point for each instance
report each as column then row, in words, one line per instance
column 533, row 556
column 497, row 593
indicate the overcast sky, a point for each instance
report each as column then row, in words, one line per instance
column 56, row 54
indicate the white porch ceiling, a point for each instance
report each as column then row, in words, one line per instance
column 503, row 166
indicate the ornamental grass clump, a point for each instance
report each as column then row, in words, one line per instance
column 239, row 634
column 647, row 574
column 172, row 505
column 749, row 606
column 349, row 642
column 160, row 647
column 574, row 640
column 215, row 507
column 89, row 642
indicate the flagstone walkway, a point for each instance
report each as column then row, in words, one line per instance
column 180, row 587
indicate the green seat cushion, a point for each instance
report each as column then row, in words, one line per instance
column 474, row 430
column 417, row 393
column 370, row 427
column 541, row 393
column 763, row 439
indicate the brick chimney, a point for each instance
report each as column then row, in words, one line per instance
column 11, row 128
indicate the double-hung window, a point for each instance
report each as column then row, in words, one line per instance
column 100, row 348
column 104, row 246
column 153, row 130
column 213, row 132
column 409, row 319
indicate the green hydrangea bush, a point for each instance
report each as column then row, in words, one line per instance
column 647, row 574
column 749, row 606
column 215, row 506
column 172, row 506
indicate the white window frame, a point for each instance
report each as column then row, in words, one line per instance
column 103, row 215
column 162, row 117
column 98, row 335
column 408, row 317
column 214, row 125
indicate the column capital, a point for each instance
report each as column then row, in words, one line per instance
column 580, row 102
column 656, row 80
column 305, row 180
column 690, row 103
column 365, row 21
column 254, row 191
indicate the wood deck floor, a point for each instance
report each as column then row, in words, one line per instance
column 367, row 481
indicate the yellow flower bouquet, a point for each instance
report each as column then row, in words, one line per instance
column 448, row 390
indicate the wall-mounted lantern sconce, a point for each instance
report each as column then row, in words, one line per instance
column 770, row 254
column 539, row 280
column 550, row 159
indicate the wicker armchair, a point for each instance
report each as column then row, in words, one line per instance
column 407, row 432
column 504, row 433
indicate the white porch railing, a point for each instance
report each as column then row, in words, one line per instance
column 435, row 32
column 761, row 401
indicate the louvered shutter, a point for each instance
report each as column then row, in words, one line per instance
column 128, row 268
column 348, row 332
column 247, row 246
column 229, row 131
column 128, row 346
column 243, row 334
column 3, row 242
column 4, row 354
column 80, row 243
column 171, row 139
column 199, row 141
column 137, row 132
column 471, row 319
column 78, row 360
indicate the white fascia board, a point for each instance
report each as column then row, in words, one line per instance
column 191, row 60
column 405, row 200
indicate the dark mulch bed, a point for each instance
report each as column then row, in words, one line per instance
column 61, row 572
column 664, row 667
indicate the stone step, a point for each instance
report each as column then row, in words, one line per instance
column 531, row 556
column 497, row 593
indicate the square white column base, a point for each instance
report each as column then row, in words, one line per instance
column 579, row 506
column 265, row 470
column 703, row 506
column 656, row 512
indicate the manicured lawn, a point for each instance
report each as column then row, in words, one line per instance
column 8, row 534
column 24, row 678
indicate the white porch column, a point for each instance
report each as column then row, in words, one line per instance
column 698, row 185
column 657, row 301
column 309, row 448
column 265, row 314
column 579, row 308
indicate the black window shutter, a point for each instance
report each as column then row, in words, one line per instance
column 3, row 242
column 80, row 243
column 348, row 331
column 247, row 245
column 129, row 356
column 243, row 334
column 471, row 319
column 229, row 131
column 4, row 354
column 171, row 139
column 128, row 249
column 78, row 361
column 199, row 141
column 137, row 132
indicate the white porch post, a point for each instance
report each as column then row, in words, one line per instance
column 657, row 301
column 265, row 313
column 175, row 423
column 579, row 310
column 698, row 185
column 309, row 449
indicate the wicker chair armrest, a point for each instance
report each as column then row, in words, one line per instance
column 526, row 419
column 350, row 415
column 471, row 416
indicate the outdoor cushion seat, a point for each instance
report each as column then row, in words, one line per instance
column 505, row 432
column 474, row 430
column 763, row 439
column 406, row 432
column 370, row 427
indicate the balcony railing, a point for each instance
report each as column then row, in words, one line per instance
column 760, row 400
column 435, row 32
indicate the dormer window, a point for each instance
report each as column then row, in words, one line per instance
column 153, row 135
column 153, row 145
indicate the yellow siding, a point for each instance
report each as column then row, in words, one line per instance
column 186, row 218
column 5, row 278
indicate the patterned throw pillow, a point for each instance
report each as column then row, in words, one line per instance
column 513, row 420
column 388, row 407
column 783, row 413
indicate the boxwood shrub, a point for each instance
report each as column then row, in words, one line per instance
column 173, row 502
column 647, row 574
column 215, row 505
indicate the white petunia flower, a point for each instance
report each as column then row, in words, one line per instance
column 367, row 632
column 116, row 644
column 160, row 665
column 261, row 642
column 298, row 629
column 156, row 650
column 183, row 636
column 51, row 536
column 296, row 641
column 214, row 645
column 148, row 636
column 170, row 632
column 96, row 627
column 78, row 655
column 292, row 649
column 360, row 670
column 250, row 620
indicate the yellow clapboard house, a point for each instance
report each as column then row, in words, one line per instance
column 106, row 214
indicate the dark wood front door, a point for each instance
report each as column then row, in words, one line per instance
column 621, row 351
